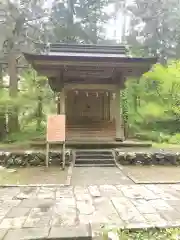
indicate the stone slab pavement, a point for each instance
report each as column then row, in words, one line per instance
column 41, row 212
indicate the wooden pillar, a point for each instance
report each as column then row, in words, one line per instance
column 62, row 101
column 58, row 104
column 118, row 117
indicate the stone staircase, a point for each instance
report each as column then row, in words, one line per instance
column 94, row 158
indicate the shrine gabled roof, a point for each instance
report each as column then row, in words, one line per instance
column 97, row 53
column 83, row 61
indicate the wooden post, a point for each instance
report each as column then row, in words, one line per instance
column 58, row 104
column 63, row 156
column 47, row 154
column 62, row 102
column 119, row 129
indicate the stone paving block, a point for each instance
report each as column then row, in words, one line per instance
column 79, row 232
column 64, row 192
column 143, row 206
column 109, row 190
column 65, row 202
column 35, row 203
column 68, row 219
column 175, row 194
column 4, row 210
column 175, row 186
column 132, row 216
column 98, row 218
column 11, row 203
column 81, row 193
column 27, row 234
column 122, row 203
column 137, row 226
column 65, row 212
column 174, row 203
column 8, row 193
column 155, row 188
column 103, row 204
column 12, row 222
column 105, row 212
column 127, row 211
column 155, row 220
column 46, row 193
column 160, row 204
column 27, row 192
column 18, row 212
column 6, row 206
column 138, row 192
column 3, row 233
column 166, row 193
column 171, row 216
column 39, row 217
column 97, row 231
column 94, row 191
column 85, row 207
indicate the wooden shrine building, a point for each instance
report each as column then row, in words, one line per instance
column 89, row 79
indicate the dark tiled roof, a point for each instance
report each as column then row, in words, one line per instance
column 114, row 54
column 91, row 49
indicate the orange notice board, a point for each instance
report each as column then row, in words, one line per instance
column 56, row 128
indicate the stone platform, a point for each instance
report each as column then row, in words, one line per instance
column 42, row 212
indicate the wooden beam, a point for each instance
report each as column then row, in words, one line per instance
column 110, row 64
column 90, row 87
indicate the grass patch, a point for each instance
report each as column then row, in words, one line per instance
column 166, row 145
column 149, row 234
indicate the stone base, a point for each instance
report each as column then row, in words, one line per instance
column 119, row 139
column 32, row 158
column 148, row 158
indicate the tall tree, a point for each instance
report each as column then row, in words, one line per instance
column 155, row 28
column 3, row 128
column 21, row 23
column 79, row 21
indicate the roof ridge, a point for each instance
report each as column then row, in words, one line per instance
column 88, row 48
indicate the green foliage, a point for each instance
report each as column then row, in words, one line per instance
column 153, row 104
column 149, row 234
column 174, row 139
column 35, row 95
column 34, row 102
column 5, row 100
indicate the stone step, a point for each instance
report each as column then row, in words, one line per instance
column 95, row 150
column 93, row 157
column 97, row 156
column 94, row 161
column 79, row 153
column 94, row 165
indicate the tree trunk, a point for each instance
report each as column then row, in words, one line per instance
column 13, row 123
column 58, row 104
column 39, row 113
column 125, row 113
column 3, row 127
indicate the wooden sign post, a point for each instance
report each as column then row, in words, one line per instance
column 55, row 135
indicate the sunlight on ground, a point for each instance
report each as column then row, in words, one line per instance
column 33, row 175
